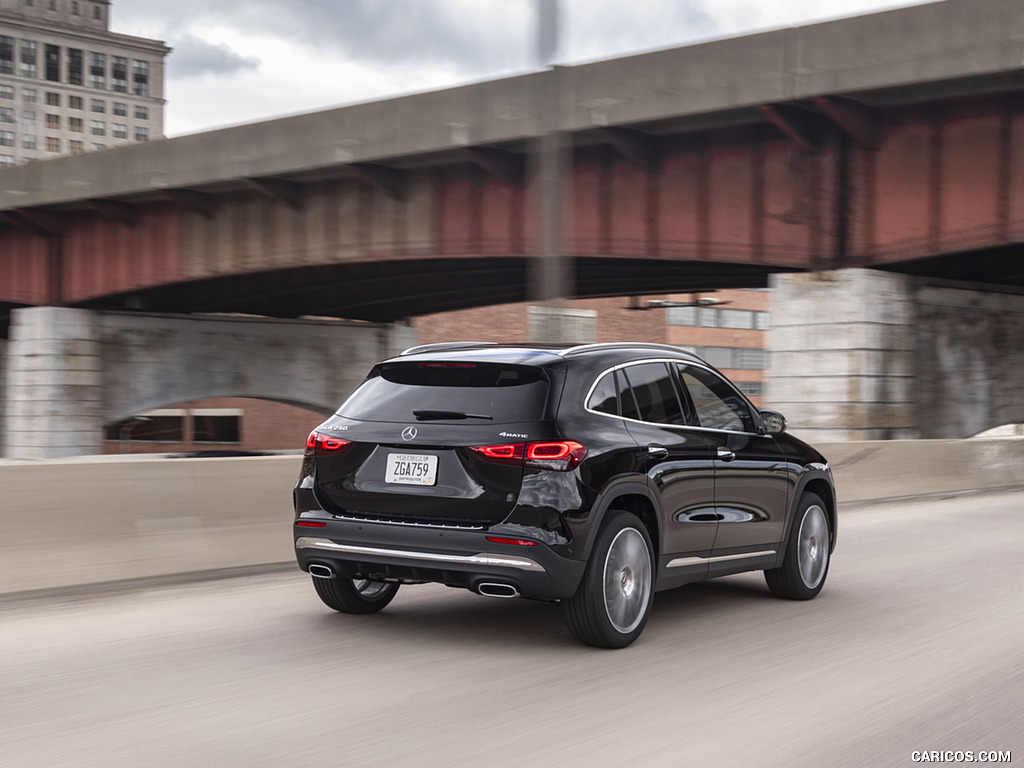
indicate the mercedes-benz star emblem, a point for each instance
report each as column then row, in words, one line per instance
column 409, row 433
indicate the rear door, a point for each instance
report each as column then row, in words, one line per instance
column 402, row 447
column 678, row 463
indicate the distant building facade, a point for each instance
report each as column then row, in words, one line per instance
column 68, row 85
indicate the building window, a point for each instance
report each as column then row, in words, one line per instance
column 166, row 425
column 140, row 78
column 6, row 138
column 97, row 13
column 119, row 131
column 28, row 141
column 76, row 124
column 141, row 113
column 97, row 71
column 53, row 5
column 561, row 324
column 29, row 95
column 739, row 319
column 74, row 8
column 6, row 114
column 76, row 147
column 53, row 122
column 750, row 388
column 215, row 425
column 28, row 66
column 28, row 118
column 120, row 109
column 75, row 66
column 75, row 102
column 51, row 55
column 97, row 105
column 6, row 160
column 95, row 146
column 98, row 128
column 52, row 99
column 6, row 55
column 6, row 91
column 141, row 133
column 119, row 74
column 52, row 144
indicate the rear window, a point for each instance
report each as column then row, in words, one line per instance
column 442, row 391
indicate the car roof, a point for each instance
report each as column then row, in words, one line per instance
column 540, row 355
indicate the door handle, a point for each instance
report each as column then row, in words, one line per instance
column 657, row 450
column 725, row 454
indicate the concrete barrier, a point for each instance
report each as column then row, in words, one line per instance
column 83, row 523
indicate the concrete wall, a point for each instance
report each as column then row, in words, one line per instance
column 70, row 371
column 858, row 354
column 66, row 524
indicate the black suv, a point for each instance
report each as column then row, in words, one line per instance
column 593, row 475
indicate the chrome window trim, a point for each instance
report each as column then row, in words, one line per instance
column 681, row 562
column 705, row 367
column 485, row 559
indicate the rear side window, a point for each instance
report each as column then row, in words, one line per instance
column 501, row 393
column 655, row 394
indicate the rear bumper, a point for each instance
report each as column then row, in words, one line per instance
column 454, row 557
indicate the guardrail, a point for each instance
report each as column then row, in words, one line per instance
column 77, row 524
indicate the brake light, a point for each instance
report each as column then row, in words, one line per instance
column 560, row 456
column 317, row 444
column 514, row 452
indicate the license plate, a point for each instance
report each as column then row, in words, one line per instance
column 411, row 469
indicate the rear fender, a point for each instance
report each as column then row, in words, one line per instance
column 616, row 490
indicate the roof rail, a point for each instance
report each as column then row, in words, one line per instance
column 445, row 345
column 619, row 345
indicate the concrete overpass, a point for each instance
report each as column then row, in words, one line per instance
column 890, row 141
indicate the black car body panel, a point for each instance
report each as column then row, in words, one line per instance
column 483, row 466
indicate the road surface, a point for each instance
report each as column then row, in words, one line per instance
column 915, row 644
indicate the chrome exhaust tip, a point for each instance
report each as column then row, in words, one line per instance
column 491, row 589
column 321, row 571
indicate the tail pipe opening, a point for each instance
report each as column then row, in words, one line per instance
column 321, row 571
column 492, row 589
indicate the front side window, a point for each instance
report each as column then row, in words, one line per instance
column 717, row 403
column 651, row 387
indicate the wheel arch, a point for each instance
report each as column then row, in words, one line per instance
column 634, row 496
column 819, row 483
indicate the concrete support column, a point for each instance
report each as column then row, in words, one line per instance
column 843, row 355
column 53, row 389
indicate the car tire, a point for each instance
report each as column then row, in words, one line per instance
column 613, row 601
column 805, row 565
column 360, row 596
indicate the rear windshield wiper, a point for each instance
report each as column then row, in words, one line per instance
column 425, row 415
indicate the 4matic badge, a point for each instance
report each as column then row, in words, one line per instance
column 512, row 434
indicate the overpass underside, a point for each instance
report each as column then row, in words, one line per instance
column 934, row 188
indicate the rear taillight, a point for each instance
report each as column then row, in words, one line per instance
column 319, row 445
column 561, row 456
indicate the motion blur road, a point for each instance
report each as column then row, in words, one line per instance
column 915, row 644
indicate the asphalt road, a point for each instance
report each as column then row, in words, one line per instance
column 916, row 643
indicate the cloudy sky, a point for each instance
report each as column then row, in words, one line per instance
column 238, row 61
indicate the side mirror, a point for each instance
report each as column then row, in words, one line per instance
column 774, row 423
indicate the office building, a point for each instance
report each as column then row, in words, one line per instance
column 69, row 85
